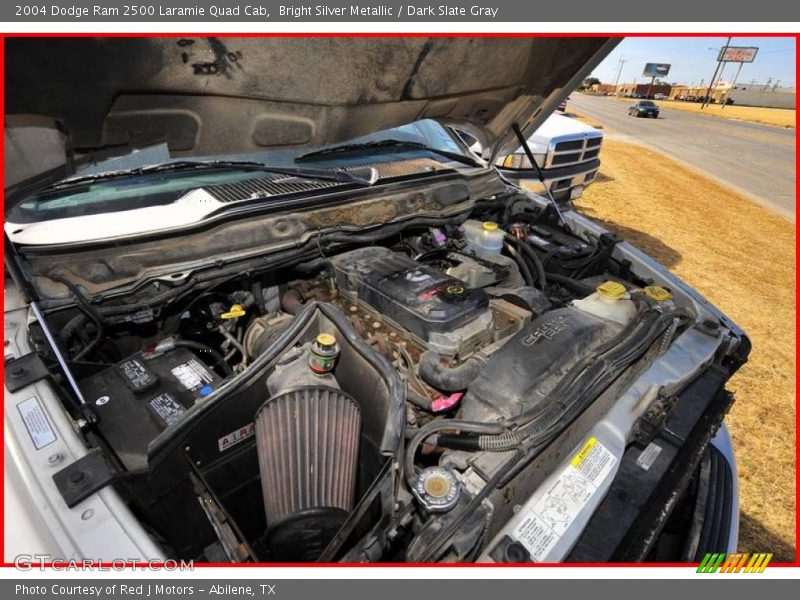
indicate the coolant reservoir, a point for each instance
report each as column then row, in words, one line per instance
column 611, row 301
column 485, row 238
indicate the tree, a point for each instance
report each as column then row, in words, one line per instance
column 589, row 82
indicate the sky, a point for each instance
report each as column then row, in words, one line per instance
column 694, row 59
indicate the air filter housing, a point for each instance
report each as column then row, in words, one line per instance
column 307, row 440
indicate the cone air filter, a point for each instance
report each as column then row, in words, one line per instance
column 307, row 441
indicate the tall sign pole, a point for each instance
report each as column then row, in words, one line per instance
column 730, row 89
column 711, row 83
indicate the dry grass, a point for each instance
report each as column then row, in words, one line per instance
column 779, row 117
column 742, row 258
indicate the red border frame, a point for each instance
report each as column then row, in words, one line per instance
column 106, row 565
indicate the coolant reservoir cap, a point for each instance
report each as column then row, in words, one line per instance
column 657, row 293
column 489, row 225
column 437, row 489
column 611, row 290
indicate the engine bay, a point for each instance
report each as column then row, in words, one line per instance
column 363, row 403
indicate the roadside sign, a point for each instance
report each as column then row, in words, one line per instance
column 656, row 70
column 740, row 54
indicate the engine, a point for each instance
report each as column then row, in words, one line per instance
column 346, row 408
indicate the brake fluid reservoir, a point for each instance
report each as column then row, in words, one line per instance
column 611, row 301
column 484, row 238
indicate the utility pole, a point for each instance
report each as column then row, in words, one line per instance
column 763, row 89
column 619, row 72
column 713, row 77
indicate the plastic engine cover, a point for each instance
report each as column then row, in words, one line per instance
column 416, row 297
column 522, row 374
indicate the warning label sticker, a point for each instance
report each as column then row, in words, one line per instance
column 36, row 422
column 234, row 437
column 648, row 456
column 562, row 502
column 192, row 375
column 136, row 375
column 167, row 408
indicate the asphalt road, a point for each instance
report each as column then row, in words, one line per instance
column 755, row 160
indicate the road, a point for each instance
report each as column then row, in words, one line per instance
column 755, row 160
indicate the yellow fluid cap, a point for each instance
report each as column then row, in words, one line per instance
column 235, row 312
column 437, row 486
column 657, row 293
column 611, row 290
column 326, row 339
column 489, row 225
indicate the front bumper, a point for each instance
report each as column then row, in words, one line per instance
column 561, row 181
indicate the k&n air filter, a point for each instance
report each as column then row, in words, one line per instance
column 307, row 440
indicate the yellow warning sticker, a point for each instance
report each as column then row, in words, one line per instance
column 580, row 456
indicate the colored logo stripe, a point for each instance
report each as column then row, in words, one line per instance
column 734, row 563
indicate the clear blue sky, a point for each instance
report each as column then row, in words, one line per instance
column 692, row 60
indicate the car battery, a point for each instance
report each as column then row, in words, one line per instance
column 138, row 398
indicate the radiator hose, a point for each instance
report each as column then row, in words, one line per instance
column 449, row 379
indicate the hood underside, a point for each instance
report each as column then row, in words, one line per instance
column 211, row 96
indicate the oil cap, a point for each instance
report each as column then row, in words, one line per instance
column 611, row 290
column 453, row 292
column 489, row 225
column 437, row 489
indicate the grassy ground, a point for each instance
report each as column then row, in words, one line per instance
column 779, row 117
column 742, row 258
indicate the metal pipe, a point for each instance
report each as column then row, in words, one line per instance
column 59, row 357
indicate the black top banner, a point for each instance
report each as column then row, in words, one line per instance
column 610, row 11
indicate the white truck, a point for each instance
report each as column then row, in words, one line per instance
column 567, row 152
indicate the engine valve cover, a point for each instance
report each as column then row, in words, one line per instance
column 416, row 297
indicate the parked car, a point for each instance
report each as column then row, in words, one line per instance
column 567, row 152
column 659, row 96
column 275, row 310
column 644, row 108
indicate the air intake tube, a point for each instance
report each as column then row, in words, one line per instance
column 307, row 440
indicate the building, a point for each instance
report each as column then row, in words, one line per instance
column 629, row 89
column 605, row 88
column 644, row 89
column 741, row 94
column 771, row 96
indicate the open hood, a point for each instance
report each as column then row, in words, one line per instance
column 209, row 96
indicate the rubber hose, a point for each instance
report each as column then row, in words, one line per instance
column 218, row 359
column 435, row 426
column 449, row 379
column 523, row 266
column 467, row 443
column 418, row 400
column 572, row 285
column 541, row 278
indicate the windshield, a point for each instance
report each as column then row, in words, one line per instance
column 161, row 188
column 646, row 103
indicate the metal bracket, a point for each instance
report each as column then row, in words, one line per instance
column 79, row 480
column 23, row 371
column 654, row 417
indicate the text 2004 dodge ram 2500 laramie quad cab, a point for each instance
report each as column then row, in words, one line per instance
column 263, row 305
